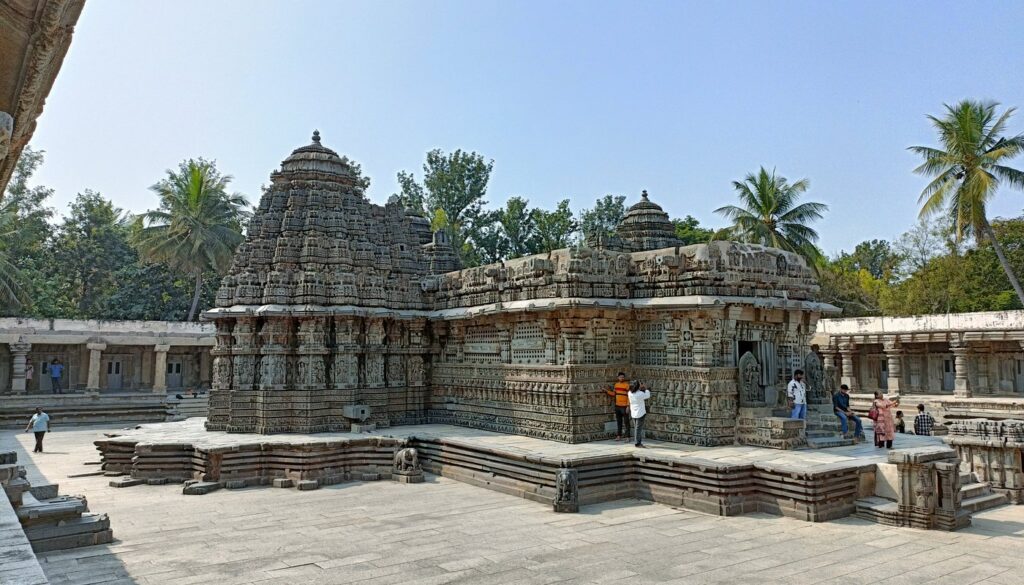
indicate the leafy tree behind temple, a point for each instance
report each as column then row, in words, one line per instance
column 603, row 217
column 967, row 170
column 456, row 185
column 689, row 231
column 197, row 227
column 555, row 229
column 24, row 230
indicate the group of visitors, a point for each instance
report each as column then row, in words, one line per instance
column 630, row 408
column 55, row 368
column 886, row 425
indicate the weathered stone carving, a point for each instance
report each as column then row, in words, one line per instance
column 333, row 301
column 406, row 467
column 751, row 391
column 567, row 496
column 407, row 460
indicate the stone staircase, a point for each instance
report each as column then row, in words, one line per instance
column 823, row 428
column 50, row 522
column 978, row 495
column 187, row 406
column 84, row 409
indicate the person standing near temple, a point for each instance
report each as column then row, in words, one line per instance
column 30, row 371
column 40, row 425
column 796, row 392
column 620, row 392
column 885, row 426
column 638, row 396
column 923, row 422
column 56, row 371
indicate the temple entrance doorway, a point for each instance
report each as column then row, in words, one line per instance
column 115, row 379
column 948, row 375
column 174, row 373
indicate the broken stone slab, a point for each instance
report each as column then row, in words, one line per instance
column 45, row 491
column 308, row 484
column 283, row 482
column 201, row 488
column 126, row 481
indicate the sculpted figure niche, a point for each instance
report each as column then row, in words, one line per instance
column 751, row 391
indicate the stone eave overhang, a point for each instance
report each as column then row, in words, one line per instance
column 523, row 306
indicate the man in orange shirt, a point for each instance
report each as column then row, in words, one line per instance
column 621, row 394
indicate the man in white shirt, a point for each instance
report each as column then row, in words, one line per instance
column 638, row 394
column 40, row 424
column 796, row 391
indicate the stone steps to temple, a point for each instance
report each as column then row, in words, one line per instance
column 187, row 407
column 977, row 496
column 984, row 502
column 82, row 410
column 830, row 440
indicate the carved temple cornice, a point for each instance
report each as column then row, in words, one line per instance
column 34, row 39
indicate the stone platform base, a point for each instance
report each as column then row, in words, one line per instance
column 812, row 485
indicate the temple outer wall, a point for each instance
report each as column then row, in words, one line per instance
column 104, row 356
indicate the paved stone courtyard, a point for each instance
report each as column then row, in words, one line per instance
column 446, row 532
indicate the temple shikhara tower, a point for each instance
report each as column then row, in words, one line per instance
column 335, row 303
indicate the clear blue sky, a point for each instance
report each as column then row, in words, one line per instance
column 571, row 99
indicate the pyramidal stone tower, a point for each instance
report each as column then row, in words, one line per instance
column 323, row 307
column 336, row 309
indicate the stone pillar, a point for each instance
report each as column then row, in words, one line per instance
column 848, row 376
column 828, row 356
column 95, row 353
column 894, row 359
column 160, row 369
column 205, row 367
column 19, row 355
column 961, row 385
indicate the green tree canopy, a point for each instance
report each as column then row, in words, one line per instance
column 769, row 214
column 689, row 231
column 604, row 217
column 518, row 228
column 89, row 247
column 197, row 226
column 555, row 229
column 455, row 184
column 967, row 170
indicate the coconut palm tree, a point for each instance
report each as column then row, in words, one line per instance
column 769, row 215
column 12, row 293
column 197, row 226
column 968, row 169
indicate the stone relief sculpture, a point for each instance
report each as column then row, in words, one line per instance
column 407, row 460
column 567, row 497
column 815, row 379
column 751, row 391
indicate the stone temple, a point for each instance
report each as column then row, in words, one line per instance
column 336, row 306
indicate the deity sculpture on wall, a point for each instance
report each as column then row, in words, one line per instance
column 815, row 379
column 751, row 390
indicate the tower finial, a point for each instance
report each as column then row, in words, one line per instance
column 643, row 195
column 316, row 136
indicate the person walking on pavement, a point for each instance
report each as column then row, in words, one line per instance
column 40, row 425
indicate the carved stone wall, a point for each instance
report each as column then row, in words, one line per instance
column 333, row 301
